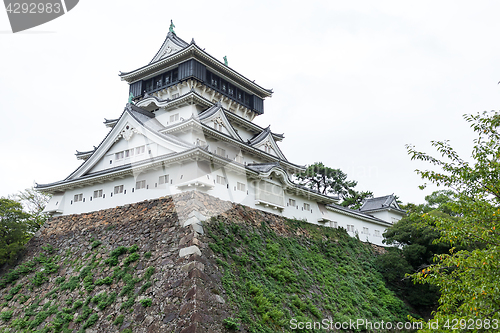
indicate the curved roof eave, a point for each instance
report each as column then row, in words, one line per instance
column 195, row 51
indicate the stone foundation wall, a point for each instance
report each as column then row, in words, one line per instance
column 186, row 292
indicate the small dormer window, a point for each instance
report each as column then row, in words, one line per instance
column 118, row 189
column 163, row 179
column 221, row 180
column 140, row 150
column 174, row 117
column 140, row 184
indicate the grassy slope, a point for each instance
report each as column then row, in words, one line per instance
column 72, row 299
column 310, row 274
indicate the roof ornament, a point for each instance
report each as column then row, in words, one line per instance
column 192, row 41
column 171, row 28
column 225, row 61
column 130, row 98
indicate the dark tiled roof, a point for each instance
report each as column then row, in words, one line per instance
column 262, row 167
column 379, row 203
column 261, row 136
column 357, row 213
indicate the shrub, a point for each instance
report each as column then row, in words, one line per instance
column 6, row 315
column 119, row 320
column 95, row 244
column 72, row 284
column 147, row 255
column 149, row 272
column 60, row 279
column 91, row 321
column 231, row 323
column 39, row 279
column 131, row 258
column 133, row 248
column 145, row 286
column 146, row 302
column 107, row 280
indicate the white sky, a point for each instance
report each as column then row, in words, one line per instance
column 354, row 81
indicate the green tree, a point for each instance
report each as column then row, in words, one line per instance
column 16, row 227
column 327, row 181
column 467, row 278
column 34, row 203
column 415, row 249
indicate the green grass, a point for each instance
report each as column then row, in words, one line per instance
column 271, row 278
column 55, row 315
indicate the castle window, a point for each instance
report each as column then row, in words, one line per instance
column 163, row 179
column 140, row 184
column 221, row 180
column 335, row 224
column 307, row 206
column 78, row 197
column 159, row 81
column 140, row 150
column 240, row 187
column 119, row 155
column 118, row 189
column 98, row 194
column 221, row 152
column 200, row 142
column 365, row 231
column 291, row 202
column 174, row 117
column 239, row 159
column 175, row 95
column 376, row 233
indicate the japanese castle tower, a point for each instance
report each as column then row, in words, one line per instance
column 189, row 126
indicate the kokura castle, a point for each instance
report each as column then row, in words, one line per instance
column 189, row 126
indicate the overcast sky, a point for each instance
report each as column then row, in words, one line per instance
column 354, row 81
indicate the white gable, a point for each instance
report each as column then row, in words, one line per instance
column 219, row 122
column 171, row 45
column 270, row 146
column 128, row 134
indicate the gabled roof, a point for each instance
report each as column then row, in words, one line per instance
column 192, row 51
column 174, row 41
column 215, row 112
column 387, row 202
column 262, row 167
column 357, row 214
column 266, row 136
column 261, row 136
column 144, row 119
